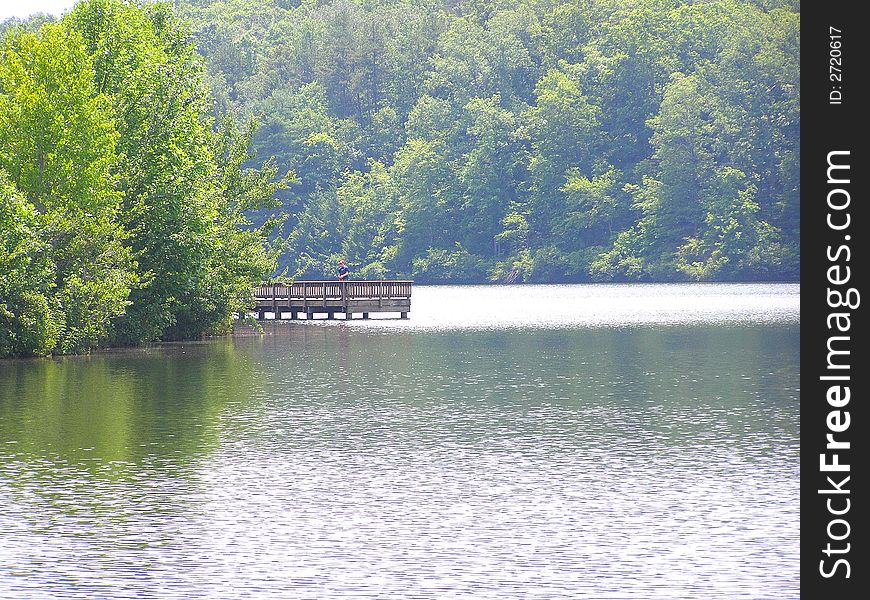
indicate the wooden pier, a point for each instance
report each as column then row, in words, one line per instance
column 309, row 298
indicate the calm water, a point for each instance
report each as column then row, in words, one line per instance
column 550, row 442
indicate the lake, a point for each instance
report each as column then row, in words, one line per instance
column 578, row 441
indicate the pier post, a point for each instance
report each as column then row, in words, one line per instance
column 348, row 316
column 404, row 315
column 365, row 315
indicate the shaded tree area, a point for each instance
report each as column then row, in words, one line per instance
column 123, row 202
column 538, row 140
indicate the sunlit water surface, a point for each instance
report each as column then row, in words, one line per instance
column 505, row 442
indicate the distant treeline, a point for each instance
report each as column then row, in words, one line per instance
column 522, row 140
column 122, row 201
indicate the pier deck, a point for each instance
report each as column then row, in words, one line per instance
column 309, row 298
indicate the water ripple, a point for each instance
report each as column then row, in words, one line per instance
column 356, row 462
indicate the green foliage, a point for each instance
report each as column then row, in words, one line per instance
column 30, row 320
column 735, row 242
column 552, row 141
column 126, row 210
column 58, row 146
column 540, row 140
column 442, row 266
column 185, row 188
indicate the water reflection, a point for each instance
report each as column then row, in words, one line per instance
column 120, row 407
column 362, row 462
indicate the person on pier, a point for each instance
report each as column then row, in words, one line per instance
column 343, row 271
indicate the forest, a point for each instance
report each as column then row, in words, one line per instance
column 528, row 141
column 159, row 159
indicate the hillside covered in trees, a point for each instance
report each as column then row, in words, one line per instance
column 446, row 141
column 529, row 140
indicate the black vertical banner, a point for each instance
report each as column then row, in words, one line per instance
column 834, row 174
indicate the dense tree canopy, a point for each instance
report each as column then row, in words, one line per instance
column 444, row 140
column 122, row 205
column 531, row 140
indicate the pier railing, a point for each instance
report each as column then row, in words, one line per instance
column 334, row 290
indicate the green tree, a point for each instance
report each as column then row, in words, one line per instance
column 488, row 172
column 427, row 197
column 58, row 145
column 31, row 319
column 735, row 241
column 181, row 212
column 368, row 213
column 562, row 126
